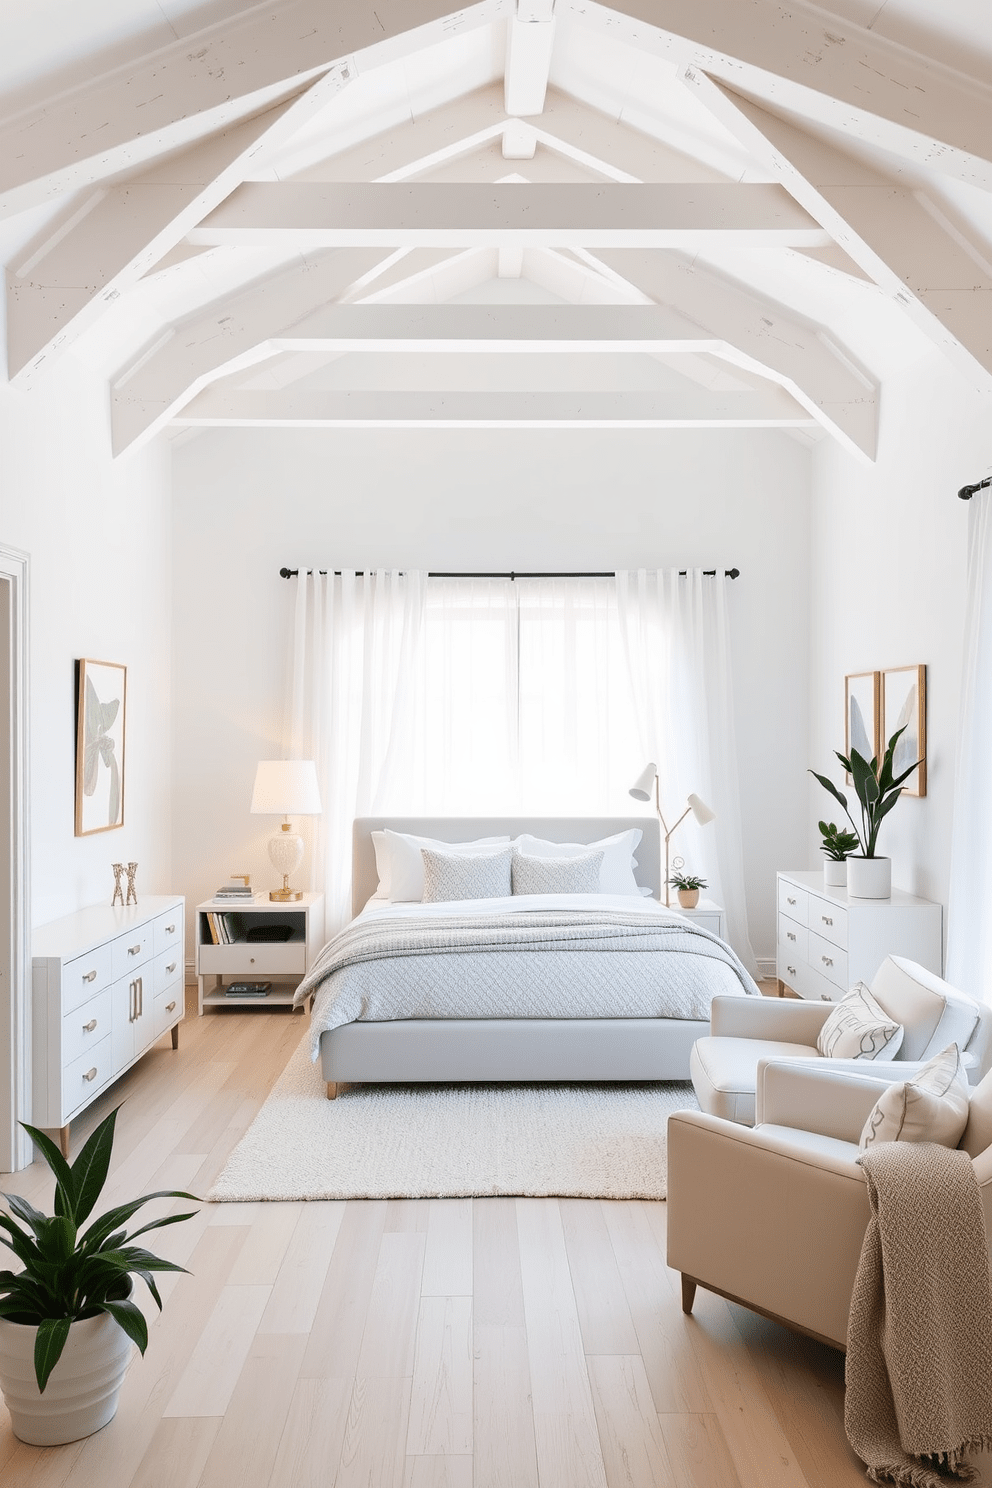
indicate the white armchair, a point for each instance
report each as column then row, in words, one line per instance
column 774, row 1216
column 745, row 1030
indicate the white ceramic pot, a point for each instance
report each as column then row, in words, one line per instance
column 834, row 873
column 82, row 1391
column 869, row 878
column 688, row 898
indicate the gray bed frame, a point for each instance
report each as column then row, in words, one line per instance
column 447, row 1050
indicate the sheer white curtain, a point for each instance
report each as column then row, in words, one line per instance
column 676, row 633
column 969, row 922
column 356, row 640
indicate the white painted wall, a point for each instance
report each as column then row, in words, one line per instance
column 888, row 588
column 247, row 502
column 99, row 537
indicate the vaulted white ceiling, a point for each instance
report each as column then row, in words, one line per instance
column 701, row 213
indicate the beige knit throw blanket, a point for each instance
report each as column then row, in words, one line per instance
column 919, row 1341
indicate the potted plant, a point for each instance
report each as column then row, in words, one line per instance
column 877, row 789
column 67, row 1318
column 688, row 886
column 838, row 845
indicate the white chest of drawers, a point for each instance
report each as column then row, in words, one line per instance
column 106, row 983
column 827, row 941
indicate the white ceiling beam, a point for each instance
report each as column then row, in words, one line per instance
column 118, row 233
column 767, row 408
column 898, row 237
column 799, row 58
column 468, row 214
column 530, row 36
column 235, row 67
column 233, row 333
column 754, row 333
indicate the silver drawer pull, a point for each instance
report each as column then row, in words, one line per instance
column 827, row 960
column 826, row 920
column 89, row 1027
column 170, row 1007
column 170, row 929
column 89, row 976
column 133, row 950
column 791, row 970
column 90, row 1074
column 789, row 935
column 170, row 969
column 790, row 901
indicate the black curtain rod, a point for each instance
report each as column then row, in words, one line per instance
column 966, row 492
column 728, row 573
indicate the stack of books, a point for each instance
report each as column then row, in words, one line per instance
column 236, row 889
column 225, row 929
column 247, row 989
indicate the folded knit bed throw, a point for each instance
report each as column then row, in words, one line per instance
column 919, row 1342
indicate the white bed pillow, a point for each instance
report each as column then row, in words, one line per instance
column 449, row 876
column 616, row 875
column 571, row 875
column 401, row 868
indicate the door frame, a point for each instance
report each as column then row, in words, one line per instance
column 15, row 948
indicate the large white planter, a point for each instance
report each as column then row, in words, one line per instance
column 834, row 873
column 869, row 878
column 82, row 1392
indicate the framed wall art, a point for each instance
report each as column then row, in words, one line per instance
column 904, row 705
column 861, row 714
column 100, row 747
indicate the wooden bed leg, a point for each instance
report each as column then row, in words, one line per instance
column 688, row 1292
column 332, row 1090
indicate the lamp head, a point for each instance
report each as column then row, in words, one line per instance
column 643, row 785
column 701, row 811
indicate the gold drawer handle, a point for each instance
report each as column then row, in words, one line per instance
column 133, row 950
column 90, row 1074
column 170, row 929
column 826, row 920
column 790, row 901
column 827, row 960
column 89, row 1027
column 170, row 1007
column 170, row 969
column 789, row 935
column 89, row 976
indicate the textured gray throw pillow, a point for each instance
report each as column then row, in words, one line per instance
column 557, row 875
column 458, row 876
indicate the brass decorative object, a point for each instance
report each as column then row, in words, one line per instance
column 132, row 893
column 118, row 886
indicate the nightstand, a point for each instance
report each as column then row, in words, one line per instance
column 707, row 913
column 244, row 959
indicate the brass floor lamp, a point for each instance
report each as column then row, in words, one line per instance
column 641, row 791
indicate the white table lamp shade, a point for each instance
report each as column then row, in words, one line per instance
column 286, row 788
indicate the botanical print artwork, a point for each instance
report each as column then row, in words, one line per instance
column 904, row 707
column 100, row 747
column 861, row 722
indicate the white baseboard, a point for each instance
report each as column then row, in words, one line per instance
column 766, row 968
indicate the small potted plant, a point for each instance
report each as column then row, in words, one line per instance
column 688, row 886
column 869, row 876
column 838, row 845
column 67, row 1318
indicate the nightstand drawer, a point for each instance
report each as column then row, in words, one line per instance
column 829, row 920
column 84, row 976
column 284, row 958
column 793, row 939
column 828, row 960
column 793, row 901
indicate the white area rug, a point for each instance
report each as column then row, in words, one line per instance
column 450, row 1141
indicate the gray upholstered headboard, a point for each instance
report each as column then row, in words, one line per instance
column 647, row 858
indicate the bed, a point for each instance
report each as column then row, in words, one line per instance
column 483, row 990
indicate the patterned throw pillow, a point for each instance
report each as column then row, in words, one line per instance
column 458, row 876
column 931, row 1107
column 557, row 875
column 858, row 1028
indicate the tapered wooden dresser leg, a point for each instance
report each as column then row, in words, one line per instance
column 688, row 1292
column 332, row 1090
column 64, row 1140
column 175, row 1037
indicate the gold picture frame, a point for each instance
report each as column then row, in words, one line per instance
column 101, row 697
column 862, row 714
column 904, row 704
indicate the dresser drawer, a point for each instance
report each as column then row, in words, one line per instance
column 166, row 968
column 86, row 975
column 86, row 1026
column 793, row 939
column 793, row 901
column 132, row 950
column 801, row 977
column 829, row 920
column 167, row 1008
column 85, row 1076
column 167, row 932
column 828, row 960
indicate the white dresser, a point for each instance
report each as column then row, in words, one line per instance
column 827, row 941
column 106, row 984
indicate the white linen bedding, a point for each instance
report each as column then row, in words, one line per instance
column 526, row 956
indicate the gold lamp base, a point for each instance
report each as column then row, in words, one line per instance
column 285, row 896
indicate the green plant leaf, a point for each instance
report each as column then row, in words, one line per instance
column 114, row 1218
column 131, row 1319
column 65, row 1188
column 865, row 782
column 30, row 1215
column 150, row 1283
column 89, row 1171
column 48, row 1346
column 157, row 1224
column 59, row 1239
column 828, row 785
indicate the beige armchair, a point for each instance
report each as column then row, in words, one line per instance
column 744, row 1030
column 774, row 1216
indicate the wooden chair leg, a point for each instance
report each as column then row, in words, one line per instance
column 688, row 1292
column 332, row 1090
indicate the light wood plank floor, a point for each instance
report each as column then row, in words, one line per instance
column 488, row 1343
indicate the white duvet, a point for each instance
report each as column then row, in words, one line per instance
column 526, row 956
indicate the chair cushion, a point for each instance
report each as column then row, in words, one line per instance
column 931, row 1107
column 725, row 1072
column 858, row 1028
column 933, row 1013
